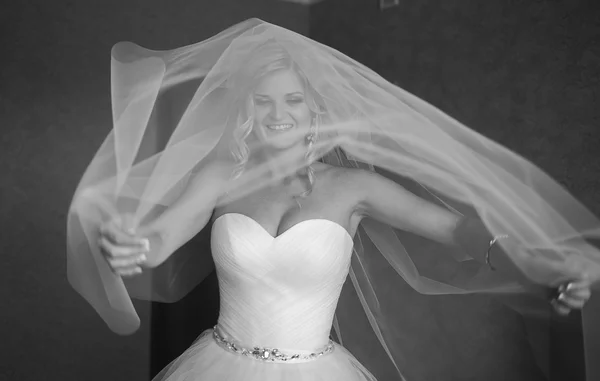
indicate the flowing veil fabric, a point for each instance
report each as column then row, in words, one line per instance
column 365, row 122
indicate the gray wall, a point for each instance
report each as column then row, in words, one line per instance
column 525, row 73
column 55, row 111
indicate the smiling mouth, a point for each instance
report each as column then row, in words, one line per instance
column 279, row 127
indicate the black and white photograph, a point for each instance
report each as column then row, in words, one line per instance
column 300, row 190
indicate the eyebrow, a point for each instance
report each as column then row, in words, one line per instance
column 266, row 96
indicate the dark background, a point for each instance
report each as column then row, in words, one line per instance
column 55, row 112
column 525, row 73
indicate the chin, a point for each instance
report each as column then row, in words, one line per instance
column 282, row 145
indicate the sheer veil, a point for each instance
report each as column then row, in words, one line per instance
column 365, row 122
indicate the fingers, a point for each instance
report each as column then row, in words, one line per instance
column 129, row 271
column 124, row 252
column 579, row 290
column 560, row 308
column 583, row 293
column 582, row 283
column 124, row 261
column 573, row 295
column 571, row 302
column 114, row 250
column 127, row 262
column 118, row 236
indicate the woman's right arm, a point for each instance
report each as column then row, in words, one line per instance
column 186, row 216
column 127, row 252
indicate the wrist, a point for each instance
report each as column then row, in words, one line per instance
column 494, row 242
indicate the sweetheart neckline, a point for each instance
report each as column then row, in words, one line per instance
column 288, row 229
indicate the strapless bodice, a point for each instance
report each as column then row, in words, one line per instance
column 282, row 291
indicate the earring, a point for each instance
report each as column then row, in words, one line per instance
column 311, row 138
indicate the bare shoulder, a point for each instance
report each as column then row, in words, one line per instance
column 367, row 190
column 207, row 181
column 216, row 170
column 381, row 198
column 350, row 182
column 350, row 178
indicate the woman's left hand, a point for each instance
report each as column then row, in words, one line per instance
column 572, row 275
column 572, row 296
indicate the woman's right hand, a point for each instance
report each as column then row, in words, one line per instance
column 124, row 251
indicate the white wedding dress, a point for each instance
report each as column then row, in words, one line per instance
column 278, row 294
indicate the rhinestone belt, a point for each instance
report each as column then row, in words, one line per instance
column 269, row 354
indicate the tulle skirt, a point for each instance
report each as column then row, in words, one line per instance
column 205, row 360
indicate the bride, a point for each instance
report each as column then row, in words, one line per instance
column 278, row 152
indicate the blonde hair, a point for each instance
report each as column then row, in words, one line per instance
column 270, row 58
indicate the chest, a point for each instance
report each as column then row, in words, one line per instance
column 277, row 211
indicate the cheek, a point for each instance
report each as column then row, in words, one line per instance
column 258, row 133
column 304, row 115
column 260, row 113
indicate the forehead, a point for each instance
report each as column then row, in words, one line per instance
column 279, row 82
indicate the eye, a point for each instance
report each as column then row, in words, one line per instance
column 295, row 100
column 260, row 102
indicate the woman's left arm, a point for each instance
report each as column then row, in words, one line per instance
column 386, row 201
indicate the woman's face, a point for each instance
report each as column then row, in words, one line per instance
column 280, row 107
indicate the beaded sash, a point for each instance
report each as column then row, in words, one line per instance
column 269, row 354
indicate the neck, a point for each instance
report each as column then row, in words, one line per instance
column 286, row 166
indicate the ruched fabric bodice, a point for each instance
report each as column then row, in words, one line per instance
column 279, row 292
column 276, row 293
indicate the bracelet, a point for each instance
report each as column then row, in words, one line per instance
column 492, row 243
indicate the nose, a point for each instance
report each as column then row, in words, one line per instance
column 277, row 111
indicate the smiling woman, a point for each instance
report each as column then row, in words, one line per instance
column 273, row 110
column 279, row 107
column 281, row 101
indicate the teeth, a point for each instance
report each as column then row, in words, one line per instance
column 279, row 127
